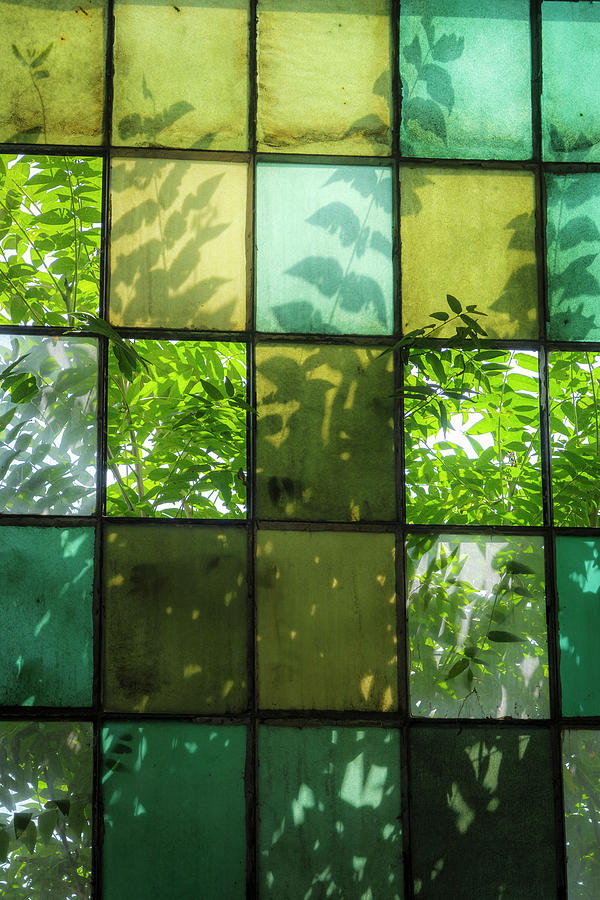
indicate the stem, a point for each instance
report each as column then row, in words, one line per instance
column 135, row 449
column 42, row 107
column 118, row 478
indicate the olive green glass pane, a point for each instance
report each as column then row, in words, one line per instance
column 325, row 433
column 324, row 76
column 326, row 620
column 181, row 74
column 578, row 583
column 574, row 386
column 173, row 811
column 466, row 78
column 581, row 786
column 472, row 445
column 177, row 432
column 330, row 813
column 48, row 425
column 491, row 657
column 178, row 244
column 175, row 619
column 53, row 54
column 324, row 249
column 477, row 796
column 570, row 99
column 573, row 242
column 472, row 235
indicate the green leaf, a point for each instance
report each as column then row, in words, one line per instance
column 16, row 52
column 516, row 567
column 211, row 390
column 4, row 844
column 505, row 637
column 412, row 52
column 453, row 303
column 457, row 669
column 30, row 837
column 439, row 85
column 21, row 821
column 448, row 48
column 42, row 56
column 441, row 316
column 46, row 825
column 427, row 115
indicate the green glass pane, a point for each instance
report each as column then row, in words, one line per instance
column 324, row 249
column 330, row 813
column 466, row 78
column 326, row 620
column 477, row 797
column 46, row 580
column 581, row 785
column 53, row 74
column 324, row 76
column 471, row 425
column 181, row 74
column 177, row 432
column 45, row 810
column 574, row 388
column 578, row 582
column 570, row 99
column 174, row 811
column 490, row 658
column 324, row 426
column 175, row 619
column 47, row 425
column 573, row 242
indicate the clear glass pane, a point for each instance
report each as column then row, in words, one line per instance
column 581, row 784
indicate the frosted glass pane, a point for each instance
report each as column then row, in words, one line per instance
column 324, row 76
column 581, row 786
column 181, row 74
column 324, row 249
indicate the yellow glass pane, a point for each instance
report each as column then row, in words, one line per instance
column 324, row 76
column 472, row 235
column 181, row 74
column 178, row 244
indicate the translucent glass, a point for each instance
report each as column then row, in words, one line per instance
column 178, row 244
column 181, row 74
column 326, row 620
column 581, row 785
column 466, row 76
column 324, row 249
column 324, row 428
column 470, row 234
column 330, row 813
column 324, row 76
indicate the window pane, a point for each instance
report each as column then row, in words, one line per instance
column 581, row 783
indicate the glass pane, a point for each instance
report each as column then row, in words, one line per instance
column 181, row 75
column 466, row 75
column 177, row 432
column 324, row 423
column 53, row 84
column 570, row 100
column 324, row 249
column 326, row 620
column 578, row 583
column 48, row 425
column 477, row 793
column 573, row 244
column 477, row 626
column 178, row 244
column 175, row 619
column 581, row 784
column 173, row 810
column 471, row 235
column 46, row 810
column 472, row 437
column 330, row 813
column 324, row 76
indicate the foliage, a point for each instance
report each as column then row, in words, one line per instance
column 145, row 130
column 581, row 779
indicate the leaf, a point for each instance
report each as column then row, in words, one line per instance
column 381, row 243
column 30, row 836
column 358, row 291
column 323, row 272
column 146, row 92
column 440, row 316
column 439, row 85
column 381, row 88
column 453, row 303
column 42, row 56
column 211, row 390
column 457, row 669
column 515, row 567
column 21, row 821
column 336, row 217
column 448, row 48
column 16, row 52
column 412, row 52
column 505, row 637
column 129, row 126
column 46, row 825
column 427, row 115
column 578, row 229
column 4, row 844
column 41, row 73
column 174, row 112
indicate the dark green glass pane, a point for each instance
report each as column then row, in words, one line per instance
column 477, row 795
column 581, row 785
column 175, row 619
column 490, row 658
column 466, row 78
column 324, row 249
column 573, row 242
column 324, row 428
column 329, row 813
column 174, row 811
column 571, row 66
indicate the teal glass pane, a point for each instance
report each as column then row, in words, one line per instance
column 578, row 585
column 581, row 787
column 324, row 249
column 571, row 66
column 573, row 245
column 174, row 811
column 466, row 79
column 329, row 813
column 46, row 582
column 477, row 797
